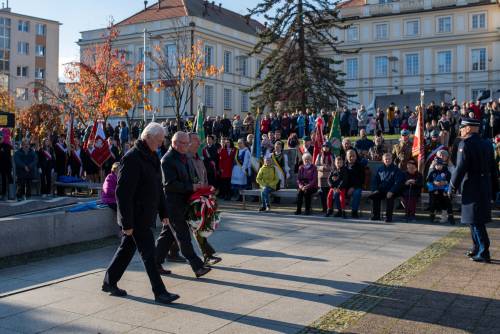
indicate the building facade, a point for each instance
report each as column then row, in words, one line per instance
column 409, row 45
column 227, row 39
column 29, row 52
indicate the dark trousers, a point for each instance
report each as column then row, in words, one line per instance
column 143, row 240
column 410, row 203
column 324, row 197
column 307, row 195
column 5, row 182
column 183, row 236
column 205, row 247
column 23, row 187
column 225, row 188
column 439, row 201
column 481, row 240
column 377, row 201
column 45, row 182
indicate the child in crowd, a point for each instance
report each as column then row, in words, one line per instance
column 109, row 187
column 438, row 183
column 337, row 182
column 267, row 179
column 412, row 189
column 396, row 122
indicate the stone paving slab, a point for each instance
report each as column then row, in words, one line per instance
column 279, row 273
column 453, row 295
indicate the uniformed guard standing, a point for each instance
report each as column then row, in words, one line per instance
column 476, row 176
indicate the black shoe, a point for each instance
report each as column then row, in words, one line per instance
column 329, row 213
column 212, row 260
column 355, row 214
column 262, row 209
column 298, row 212
column 338, row 214
column 432, row 218
column 388, row 220
column 344, row 214
column 176, row 258
column 451, row 220
column 481, row 259
column 163, row 271
column 308, row 212
column 113, row 290
column 166, row 298
column 374, row 218
column 202, row 272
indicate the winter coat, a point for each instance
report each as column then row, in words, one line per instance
column 226, row 162
column 414, row 190
column 267, row 177
column 108, row 195
column 388, row 179
column 342, row 180
column 308, row 177
column 242, row 168
column 24, row 159
column 324, row 164
column 355, row 176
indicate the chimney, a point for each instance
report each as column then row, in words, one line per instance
column 159, row 4
column 205, row 7
column 220, row 7
column 213, row 4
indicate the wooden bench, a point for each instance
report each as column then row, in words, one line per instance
column 292, row 193
column 89, row 186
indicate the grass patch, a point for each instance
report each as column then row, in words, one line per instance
column 347, row 313
column 44, row 254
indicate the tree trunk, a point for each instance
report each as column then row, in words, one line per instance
column 302, row 57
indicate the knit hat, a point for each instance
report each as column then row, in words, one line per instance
column 435, row 133
column 405, row 132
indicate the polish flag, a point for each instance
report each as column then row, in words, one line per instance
column 318, row 139
column 418, row 149
column 101, row 151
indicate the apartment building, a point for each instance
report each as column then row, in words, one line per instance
column 409, row 45
column 227, row 38
column 29, row 52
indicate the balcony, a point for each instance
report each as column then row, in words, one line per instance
column 401, row 7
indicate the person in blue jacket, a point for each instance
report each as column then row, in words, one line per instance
column 438, row 182
column 386, row 185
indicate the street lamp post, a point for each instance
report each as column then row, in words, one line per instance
column 144, row 70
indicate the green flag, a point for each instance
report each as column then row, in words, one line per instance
column 200, row 130
column 334, row 137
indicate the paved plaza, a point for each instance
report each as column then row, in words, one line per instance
column 279, row 273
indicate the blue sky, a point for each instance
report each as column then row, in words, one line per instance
column 77, row 16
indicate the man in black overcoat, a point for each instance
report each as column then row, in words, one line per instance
column 140, row 198
column 475, row 176
column 178, row 188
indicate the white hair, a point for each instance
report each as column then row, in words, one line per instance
column 153, row 129
column 306, row 155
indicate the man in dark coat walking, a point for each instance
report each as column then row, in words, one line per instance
column 139, row 199
column 26, row 162
column 476, row 177
column 178, row 187
column 5, row 166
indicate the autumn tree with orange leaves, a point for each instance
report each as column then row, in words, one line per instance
column 7, row 103
column 40, row 120
column 179, row 70
column 103, row 84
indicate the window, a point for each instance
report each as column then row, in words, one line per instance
column 412, row 65
column 209, row 96
column 23, row 48
column 41, row 29
column 4, row 33
column 148, row 63
column 168, row 98
column 23, row 26
column 381, row 31
column 412, row 28
column 171, row 55
column 381, row 66
column 352, row 34
column 478, row 59
column 351, row 68
column 244, row 101
column 259, row 64
column 209, row 56
column 228, row 99
column 40, row 50
column 22, row 94
column 243, row 65
column 478, row 21
column 476, row 92
column 22, row 71
column 228, row 62
column 39, row 73
column 444, row 24
column 444, row 61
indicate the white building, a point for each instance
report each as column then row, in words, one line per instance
column 408, row 45
column 29, row 52
column 227, row 38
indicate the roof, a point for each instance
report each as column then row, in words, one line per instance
column 352, row 3
column 169, row 9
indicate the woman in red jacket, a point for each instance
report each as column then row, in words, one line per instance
column 226, row 162
column 265, row 124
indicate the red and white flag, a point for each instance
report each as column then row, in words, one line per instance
column 70, row 134
column 101, row 151
column 318, row 139
column 418, row 149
